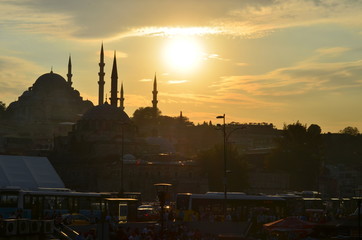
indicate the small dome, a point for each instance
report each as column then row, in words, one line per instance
column 106, row 112
column 50, row 80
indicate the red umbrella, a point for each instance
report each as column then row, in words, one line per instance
column 289, row 224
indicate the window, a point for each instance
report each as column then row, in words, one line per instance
column 49, row 202
column 84, row 203
column 8, row 200
column 29, row 201
column 62, row 202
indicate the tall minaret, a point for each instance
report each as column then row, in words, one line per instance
column 69, row 75
column 154, row 93
column 101, row 78
column 121, row 99
column 114, row 82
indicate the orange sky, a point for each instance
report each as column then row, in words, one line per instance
column 254, row 60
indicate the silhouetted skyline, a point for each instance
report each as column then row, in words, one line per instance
column 255, row 61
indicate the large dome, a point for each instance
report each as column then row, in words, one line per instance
column 50, row 80
column 106, row 112
column 50, row 99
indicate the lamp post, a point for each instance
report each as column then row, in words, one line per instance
column 358, row 198
column 122, row 153
column 225, row 171
column 162, row 190
column 359, row 217
column 121, row 159
column 225, row 139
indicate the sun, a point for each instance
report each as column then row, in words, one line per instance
column 183, row 54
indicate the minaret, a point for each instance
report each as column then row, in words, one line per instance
column 69, row 75
column 101, row 78
column 121, row 99
column 114, row 81
column 154, row 93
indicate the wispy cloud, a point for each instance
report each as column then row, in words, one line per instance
column 85, row 19
column 145, row 80
column 176, row 81
column 258, row 20
column 241, row 64
column 178, row 31
column 13, row 83
column 217, row 57
column 333, row 51
column 20, row 16
column 110, row 54
column 238, row 99
column 305, row 77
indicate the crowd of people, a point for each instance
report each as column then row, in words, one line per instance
column 177, row 231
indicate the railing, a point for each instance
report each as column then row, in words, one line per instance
column 65, row 232
column 61, row 235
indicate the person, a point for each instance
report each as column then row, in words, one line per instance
column 92, row 217
column 108, row 218
column 228, row 217
column 19, row 213
column 80, row 236
column 171, row 216
column 193, row 216
column 58, row 220
column 181, row 215
column 1, row 221
column 67, row 220
column 91, row 235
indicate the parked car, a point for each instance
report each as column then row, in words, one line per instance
column 147, row 213
column 75, row 219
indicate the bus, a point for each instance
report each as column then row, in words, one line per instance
column 45, row 202
column 295, row 204
column 133, row 195
column 122, row 209
column 239, row 204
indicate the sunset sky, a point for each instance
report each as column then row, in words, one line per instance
column 274, row 61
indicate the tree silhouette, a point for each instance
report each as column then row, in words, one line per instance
column 2, row 109
column 212, row 162
column 144, row 115
column 299, row 153
column 350, row 131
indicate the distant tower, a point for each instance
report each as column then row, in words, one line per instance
column 101, row 78
column 121, row 99
column 154, row 92
column 114, row 81
column 69, row 75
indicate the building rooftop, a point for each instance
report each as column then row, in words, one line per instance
column 26, row 172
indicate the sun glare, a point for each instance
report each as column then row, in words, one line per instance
column 183, row 54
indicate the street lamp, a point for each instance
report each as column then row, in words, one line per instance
column 225, row 138
column 225, row 171
column 122, row 153
column 358, row 198
column 162, row 190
